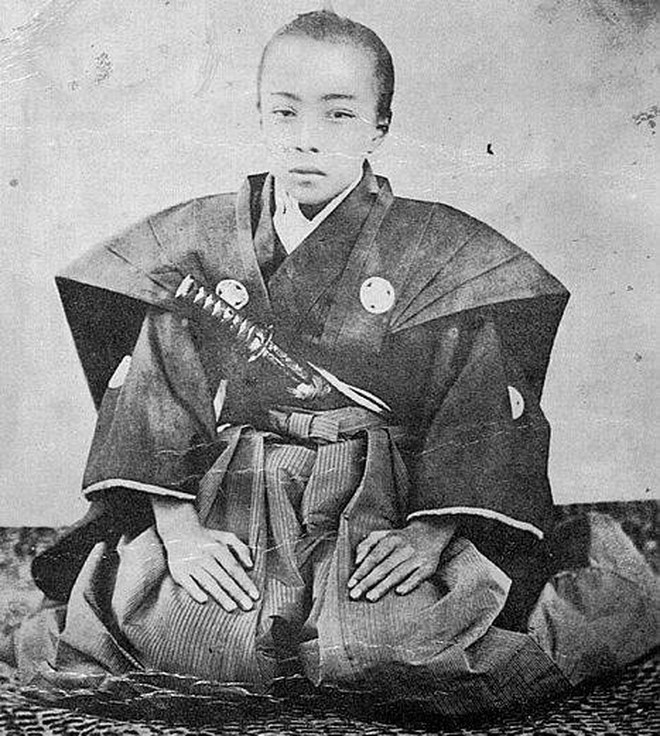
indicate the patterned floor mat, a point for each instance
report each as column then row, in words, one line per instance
column 146, row 706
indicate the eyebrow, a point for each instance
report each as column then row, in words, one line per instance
column 337, row 96
column 325, row 98
column 288, row 95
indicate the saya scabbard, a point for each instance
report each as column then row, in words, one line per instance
column 309, row 381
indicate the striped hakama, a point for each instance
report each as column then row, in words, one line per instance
column 302, row 497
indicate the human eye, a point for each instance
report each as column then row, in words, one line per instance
column 282, row 112
column 341, row 114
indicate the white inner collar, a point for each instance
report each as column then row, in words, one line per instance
column 291, row 226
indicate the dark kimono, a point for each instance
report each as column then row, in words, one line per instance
column 458, row 351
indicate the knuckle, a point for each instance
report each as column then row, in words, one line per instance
column 377, row 550
column 390, row 543
column 234, row 570
column 239, row 585
column 371, row 579
column 222, row 595
column 235, row 591
column 222, row 556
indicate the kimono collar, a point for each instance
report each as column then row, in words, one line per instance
column 311, row 271
column 291, row 225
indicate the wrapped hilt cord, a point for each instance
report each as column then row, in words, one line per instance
column 310, row 381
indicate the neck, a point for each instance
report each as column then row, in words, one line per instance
column 311, row 210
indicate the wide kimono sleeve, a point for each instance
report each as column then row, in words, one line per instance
column 155, row 432
column 484, row 451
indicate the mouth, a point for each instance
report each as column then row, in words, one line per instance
column 306, row 171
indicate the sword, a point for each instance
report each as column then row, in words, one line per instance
column 311, row 381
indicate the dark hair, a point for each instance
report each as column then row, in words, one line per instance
column 324, row 25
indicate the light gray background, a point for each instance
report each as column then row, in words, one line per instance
column 112, row 109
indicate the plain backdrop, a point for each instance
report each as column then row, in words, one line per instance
column 113, row 109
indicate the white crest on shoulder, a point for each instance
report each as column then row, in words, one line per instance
column 121, row 371
column 233, row 292
column 517, row 402
column 377, row 295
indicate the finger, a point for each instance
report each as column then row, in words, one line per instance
column 396, row 576
column 379, row 572
column 228, row 563
column 206, row 581
column 408, row 585
column 191, row 587
column 382, row 549
column 367, row 544
column 241, row 550
column 214, row 568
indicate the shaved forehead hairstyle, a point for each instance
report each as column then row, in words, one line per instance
column 323, row 25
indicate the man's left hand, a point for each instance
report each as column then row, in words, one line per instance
column 399, row 558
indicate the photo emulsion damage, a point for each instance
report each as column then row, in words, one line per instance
column 288, row 327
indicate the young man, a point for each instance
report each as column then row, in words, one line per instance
column 383, row 522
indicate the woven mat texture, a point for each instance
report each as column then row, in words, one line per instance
column 627, row 706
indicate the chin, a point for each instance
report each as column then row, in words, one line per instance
column 307, row 195
column 312, row 199
column 310, row 194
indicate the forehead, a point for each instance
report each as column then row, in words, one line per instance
column 310, row 68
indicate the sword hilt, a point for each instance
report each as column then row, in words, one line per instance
column 256, row 339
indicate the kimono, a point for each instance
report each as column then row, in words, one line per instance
column 442, row 319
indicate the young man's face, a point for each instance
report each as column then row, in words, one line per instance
column 318, row 115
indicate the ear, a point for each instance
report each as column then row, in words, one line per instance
column 382, row 129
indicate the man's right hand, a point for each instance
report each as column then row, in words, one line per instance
column 204, row 561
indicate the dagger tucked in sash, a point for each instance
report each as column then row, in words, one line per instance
column 311, row 381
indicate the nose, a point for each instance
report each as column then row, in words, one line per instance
column 307, row 136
